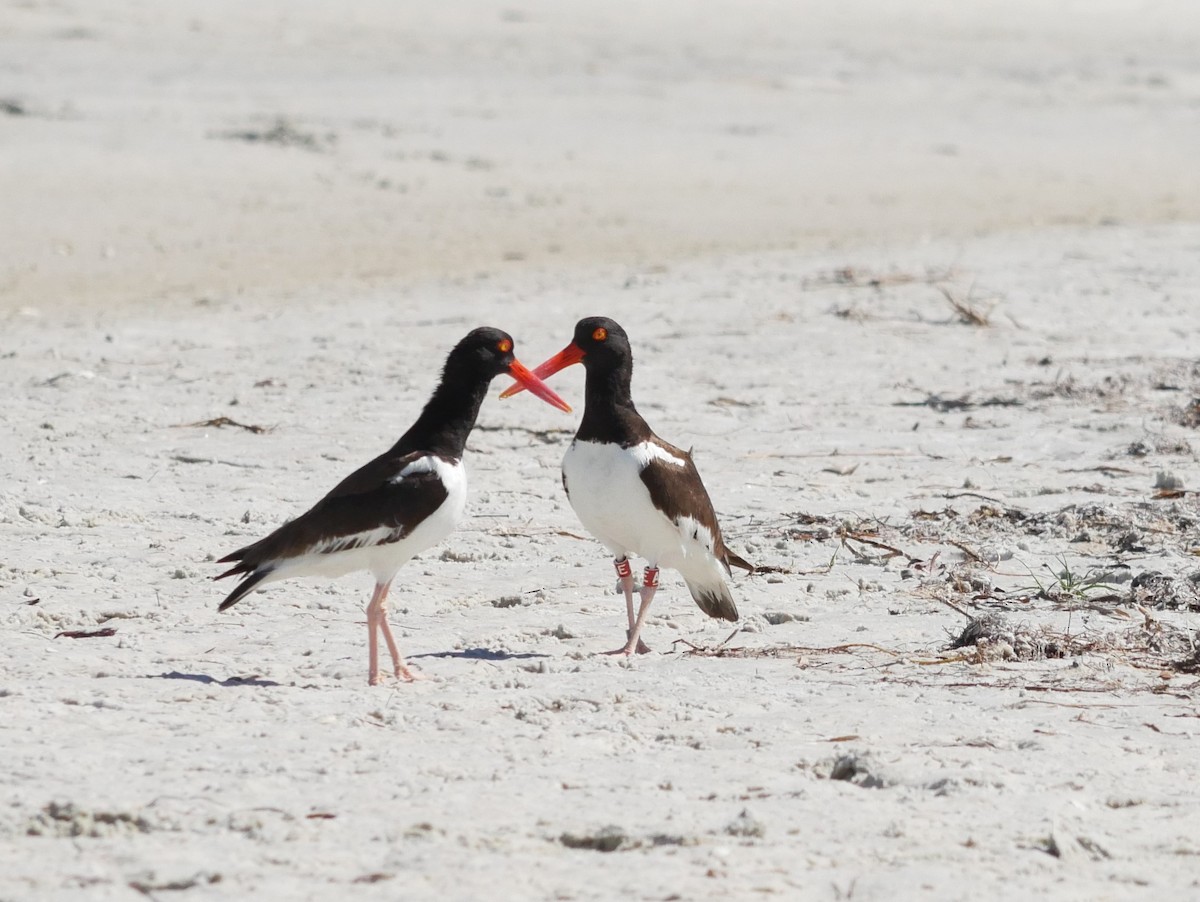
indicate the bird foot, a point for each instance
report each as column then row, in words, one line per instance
column 402, row 673
column 642, row 649
column 409, row 676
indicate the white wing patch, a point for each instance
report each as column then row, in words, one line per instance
column 426, row 464
column 381, row 535
column 649, row 451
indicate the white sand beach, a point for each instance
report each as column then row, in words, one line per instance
column 918, row 288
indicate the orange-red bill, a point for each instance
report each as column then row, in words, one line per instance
column 526, row 379
column 568, row 356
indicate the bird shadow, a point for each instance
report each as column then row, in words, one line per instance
column 479, row 654
column 205, row 678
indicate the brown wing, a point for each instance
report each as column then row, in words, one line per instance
column 374, row 497
column 679, row 492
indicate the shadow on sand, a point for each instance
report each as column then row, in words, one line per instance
column 478, row 654
column 205, row 678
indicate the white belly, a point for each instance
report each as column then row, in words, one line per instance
column 613, row 504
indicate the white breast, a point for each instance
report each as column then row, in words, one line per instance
column 613, row 504
column 434, row 528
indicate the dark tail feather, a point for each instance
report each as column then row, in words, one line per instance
column 715, row 601
column 245, row 587
column 730, row 559
column 242, row 566
column 232, row 571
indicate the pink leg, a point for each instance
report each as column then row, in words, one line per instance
column 625, row 583
column 377, row 619
column 402, row 670
column 374, row 610
column 649, row 587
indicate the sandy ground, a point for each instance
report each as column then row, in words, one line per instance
column 215, row 148
column 286, row 216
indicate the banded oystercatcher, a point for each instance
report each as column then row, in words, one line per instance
column 633, row 491
column 401, row 503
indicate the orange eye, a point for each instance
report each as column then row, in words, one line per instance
column 600, row 334
column 504, row 346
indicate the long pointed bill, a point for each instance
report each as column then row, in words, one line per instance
column 526, row 379
column 568, row 356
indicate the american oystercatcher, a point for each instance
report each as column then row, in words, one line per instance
column 633, row 491
column 399, row 504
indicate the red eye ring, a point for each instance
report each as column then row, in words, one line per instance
column 600, row 334
column 504, row 346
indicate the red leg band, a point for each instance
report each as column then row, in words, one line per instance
column 624, row 570
column 650, row 578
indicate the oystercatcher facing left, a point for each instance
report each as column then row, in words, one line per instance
column 632, row 490
column 401, row 503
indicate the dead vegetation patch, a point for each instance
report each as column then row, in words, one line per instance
column 1189, row 416
column 1173, row 447
column 970, row 561
column 1150, row 644
column 221, row 422
column 966, row 309
column 282, row 132
column 1109, row 389
column 993, row 637
column 963, row 403
column 969, row 311
column 1160, row 592
column 857, row 277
